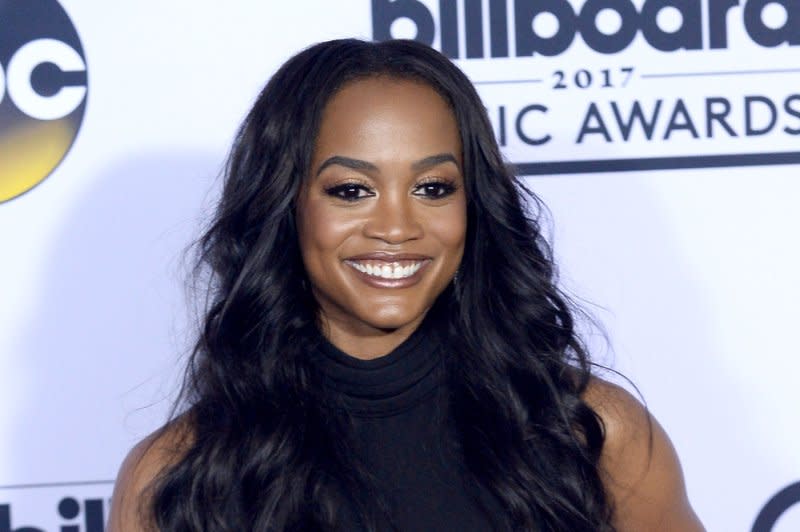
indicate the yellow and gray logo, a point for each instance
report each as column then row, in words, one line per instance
column 43, row 87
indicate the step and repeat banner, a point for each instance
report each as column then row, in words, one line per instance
column 663, row 135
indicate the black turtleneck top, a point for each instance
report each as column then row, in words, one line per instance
column 401, row 427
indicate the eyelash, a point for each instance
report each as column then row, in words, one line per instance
column 446, row 188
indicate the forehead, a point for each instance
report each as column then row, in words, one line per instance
column 387, row 119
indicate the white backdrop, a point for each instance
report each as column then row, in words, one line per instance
column 685, row 247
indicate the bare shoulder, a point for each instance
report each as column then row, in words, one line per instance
column 640, row 468
column 138, row 471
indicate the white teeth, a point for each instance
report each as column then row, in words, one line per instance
column 387, row 271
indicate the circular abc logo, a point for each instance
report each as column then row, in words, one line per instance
column 43, row 86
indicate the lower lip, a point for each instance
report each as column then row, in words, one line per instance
column 380, row 282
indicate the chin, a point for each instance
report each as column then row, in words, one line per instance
column 390, row 323
column 392, row 320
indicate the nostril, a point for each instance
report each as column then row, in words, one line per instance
column 393, row 228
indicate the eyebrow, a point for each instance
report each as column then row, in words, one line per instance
column 358, row 164
column 433, row 160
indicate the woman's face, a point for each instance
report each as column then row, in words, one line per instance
column 382, row 218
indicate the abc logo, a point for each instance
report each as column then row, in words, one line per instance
column 776, row 507
column 43, row 86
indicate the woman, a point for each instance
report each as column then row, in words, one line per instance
column 385, row 347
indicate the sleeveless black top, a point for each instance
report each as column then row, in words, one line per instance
column 402, row 430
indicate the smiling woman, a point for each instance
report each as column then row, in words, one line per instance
column 385, row 346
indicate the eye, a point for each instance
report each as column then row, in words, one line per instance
column 437, row 188
column 349, row 191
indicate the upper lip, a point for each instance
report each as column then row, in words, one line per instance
column 383, row 255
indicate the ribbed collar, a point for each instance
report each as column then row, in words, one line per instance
column 389, row 384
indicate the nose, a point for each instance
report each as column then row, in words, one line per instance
column 394, row 220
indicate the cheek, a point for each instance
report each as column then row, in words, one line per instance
column 321, row 231
column 449, row 227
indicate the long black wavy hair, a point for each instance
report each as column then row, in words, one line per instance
column 262, row 451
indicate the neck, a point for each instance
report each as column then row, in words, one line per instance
column 364, row 341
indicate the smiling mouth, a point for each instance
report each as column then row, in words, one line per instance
column 400, row 269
